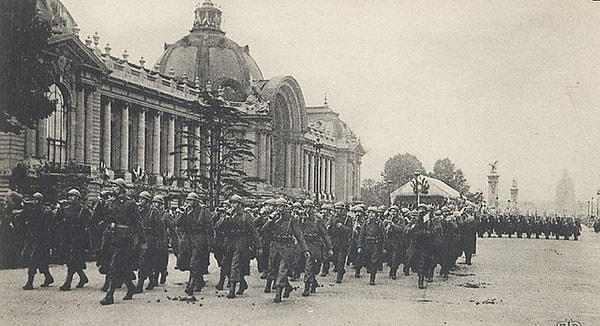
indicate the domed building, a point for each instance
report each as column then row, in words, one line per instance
column 121, row 118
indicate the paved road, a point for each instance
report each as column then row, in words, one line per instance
column 520, row 282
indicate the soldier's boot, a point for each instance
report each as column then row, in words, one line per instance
column 287, row 290
column 547, row 237
column 394, row 273
column 372, row 279
column 221, row 283
column 163, row 277
column 557, row 237
column 306, row 291
column 325, row 269
column 67, row 285
column 139, row 288
column 106, row 283
column 468, row 259
column 509, row 235
column 277, row 298
column 406, row 270
column 153, row 281
column 519, row 235
column 243, row 286
column 231, row 293
column 313, row 286
column 339, row 277
column 528, row 236
column 268, row 286
column 499, row 235
column 189, row 288
column 537, row 236
column 29, row 284
column 199, row 284
column 566, row 237
column 109, row 298
column 83, row 279
column 420, row 282
column 575, row 237
column 357, row 272
column 131, row 290
column 48, row 279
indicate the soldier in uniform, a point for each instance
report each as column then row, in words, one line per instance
column 340, row 231
column 327, row 217
column 317, row 241
column 101, row 219
column 151, row 224
column 370, row 243
column 240, row 239
column 285, row 234
column 197, row 239
column 261, row 219
column 354, row 258
column 75, row 219
column 394, row 227
column 165, row 234
column 37, row 241
column 122, row 237
column 420, row 246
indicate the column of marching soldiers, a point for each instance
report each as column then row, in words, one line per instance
column 529, row 225
column 286, row 240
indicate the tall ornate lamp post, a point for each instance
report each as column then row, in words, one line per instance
column 420, row 186
column 318, row 146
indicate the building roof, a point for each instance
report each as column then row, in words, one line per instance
column 436, row 188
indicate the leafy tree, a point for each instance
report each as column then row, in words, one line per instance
column 222, row 151
column 400, row 169
column 446, row 171
column 26, row 73
column 375, row 192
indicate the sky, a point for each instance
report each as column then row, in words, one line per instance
column 476, row 81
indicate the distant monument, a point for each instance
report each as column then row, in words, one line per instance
column 565, row 196
column 514, row 198
column 493, row 186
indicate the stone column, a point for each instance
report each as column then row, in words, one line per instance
column 197, row 150
column 80, row 127
column 42, row 138
column 298, row 167
column 30, row 139
column 171, row 145
column 156, row 148
column 107, row 139
column 322, row 177
column 288, row 165
column 269, row 142
column 141, row 139
column 124, row 166
column 89, row 127
column 305, row 167
column 183, row 161
column 333, row 191
column 260, row 148
column 311, row 172
column 326, row 177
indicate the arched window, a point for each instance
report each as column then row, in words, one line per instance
column 57, row 127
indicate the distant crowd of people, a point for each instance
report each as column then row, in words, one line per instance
column 530, row 225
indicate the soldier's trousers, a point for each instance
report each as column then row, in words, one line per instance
column 263, row 260
column 281, row 263
column 312, row 265
column 372, row 257
column 339, row 258
column 235, row 263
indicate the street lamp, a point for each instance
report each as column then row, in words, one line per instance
column 318, row 146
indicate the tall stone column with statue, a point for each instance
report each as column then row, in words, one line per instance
column 493, row 177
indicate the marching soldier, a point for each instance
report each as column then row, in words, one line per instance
column 75, row 219
column 240, row 237
column 197, row 239
column 101, row 219
column 285, row 234
column 394, row 234
column 420, row 246
column 151, row 224
column 261, row 219
column 370, row 243
column 317, row 240
column 357, row 214
column 327, row 217
column 166, row 235
column 123, row 235
column 37, row 241
column 341, row 231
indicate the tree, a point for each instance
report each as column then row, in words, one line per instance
column 222, row 151
column 400, row 169
column 446, row 171
column 375, row 192
column 26, row 71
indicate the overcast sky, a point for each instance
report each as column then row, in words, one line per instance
column 475, row 81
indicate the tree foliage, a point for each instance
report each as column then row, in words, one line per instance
column 222, row 151
column 400, row 169
column 446, row 171
column 375, row 192
column 26, row 73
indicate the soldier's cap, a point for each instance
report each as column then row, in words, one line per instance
column 308, row 203
column 372, row 209
column 422, row 206
column 38, row 195
column 327, row 206
column 414, row 212
column 297, row 205
column 121, row 183
column 235, row 199
column 405, row 210
column 146, row 195
column 270, row 201
column 158, row 199
column 339, row 204
column 394, row 207
column 381, row 208
column 74, row 192
column 445, row 209
column 192, row 196
column 363, row 206
column 438, row 212
column 358, row 208
column 281, row 202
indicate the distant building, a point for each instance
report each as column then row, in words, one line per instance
column 124, row 117
column 565, row 196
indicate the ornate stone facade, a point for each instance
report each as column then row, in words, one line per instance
column 125, row 118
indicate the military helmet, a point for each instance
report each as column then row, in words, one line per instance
column 381, row 208
column 445, row 209
column 405, row 210
column 74, row 192
column 372, row 209
column 121, row 183
column 327, row 206
column 297, row 205
column 308, row 203
column 394, row 207
column 270, row 201
column 281, row 202
column 339, row 204
column 235, row 199
column 146, row 195
column 192, row 196
column 158, row 199
column 38, row 195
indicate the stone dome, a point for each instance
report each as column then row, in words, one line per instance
column 207, row 55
